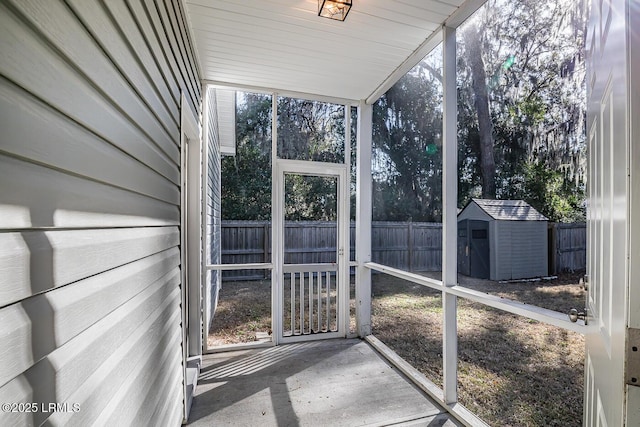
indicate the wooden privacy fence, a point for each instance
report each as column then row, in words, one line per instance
column 412, row 246
column 567, row 247
column 415, row 246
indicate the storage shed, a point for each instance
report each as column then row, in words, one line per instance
column 502, row 240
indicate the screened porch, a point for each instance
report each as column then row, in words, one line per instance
column 334, row 149
column 331, row 291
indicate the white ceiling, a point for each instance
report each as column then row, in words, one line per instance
column 283, row 44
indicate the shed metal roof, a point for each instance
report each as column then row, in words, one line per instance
column 509, row 210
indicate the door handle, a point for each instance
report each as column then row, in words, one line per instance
column 574, row 315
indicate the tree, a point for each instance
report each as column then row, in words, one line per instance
column 533, row 60
column 246, row 177
column 307, row 130
column 407, row 143
column 521, row 125
column 552, row 195
column 310, row 130
column 481, row 104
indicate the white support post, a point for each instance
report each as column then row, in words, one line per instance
column 205, row 242
column 450, row 220
column 344, row 227
column 276, row 228
column 363, row 218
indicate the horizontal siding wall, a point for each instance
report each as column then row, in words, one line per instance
column 89, row 208
column 501, row 255
column 521, row 250
column 529, row 249
column 213, row 206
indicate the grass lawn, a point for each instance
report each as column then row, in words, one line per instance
column 244, row 309
column 512, row 371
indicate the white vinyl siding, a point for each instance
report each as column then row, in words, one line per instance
column 213, row 206
column 89, row 208
column 226, row 117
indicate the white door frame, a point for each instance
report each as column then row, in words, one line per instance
column 309, row 168
column 190, row 244
column 633, row 274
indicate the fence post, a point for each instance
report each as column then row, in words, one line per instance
column 265, row 246
column 410, row 244
column 554, row 250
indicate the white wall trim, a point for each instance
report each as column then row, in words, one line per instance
column 423, row 50
column 190, row 243
column 281, row 92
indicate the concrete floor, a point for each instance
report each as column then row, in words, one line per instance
column 321, row 383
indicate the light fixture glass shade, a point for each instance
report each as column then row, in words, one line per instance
column 334, row 9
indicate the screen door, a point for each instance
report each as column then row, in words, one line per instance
column 311, row 294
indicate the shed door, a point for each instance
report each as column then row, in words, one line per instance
column 463, row 247
column 479, row 249
column 606, row 223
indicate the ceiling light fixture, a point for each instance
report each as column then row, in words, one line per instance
column 334, row 9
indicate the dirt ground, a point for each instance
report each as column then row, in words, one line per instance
column 244, row 309
column 512, row 371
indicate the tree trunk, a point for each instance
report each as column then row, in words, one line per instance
column 481, row 101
